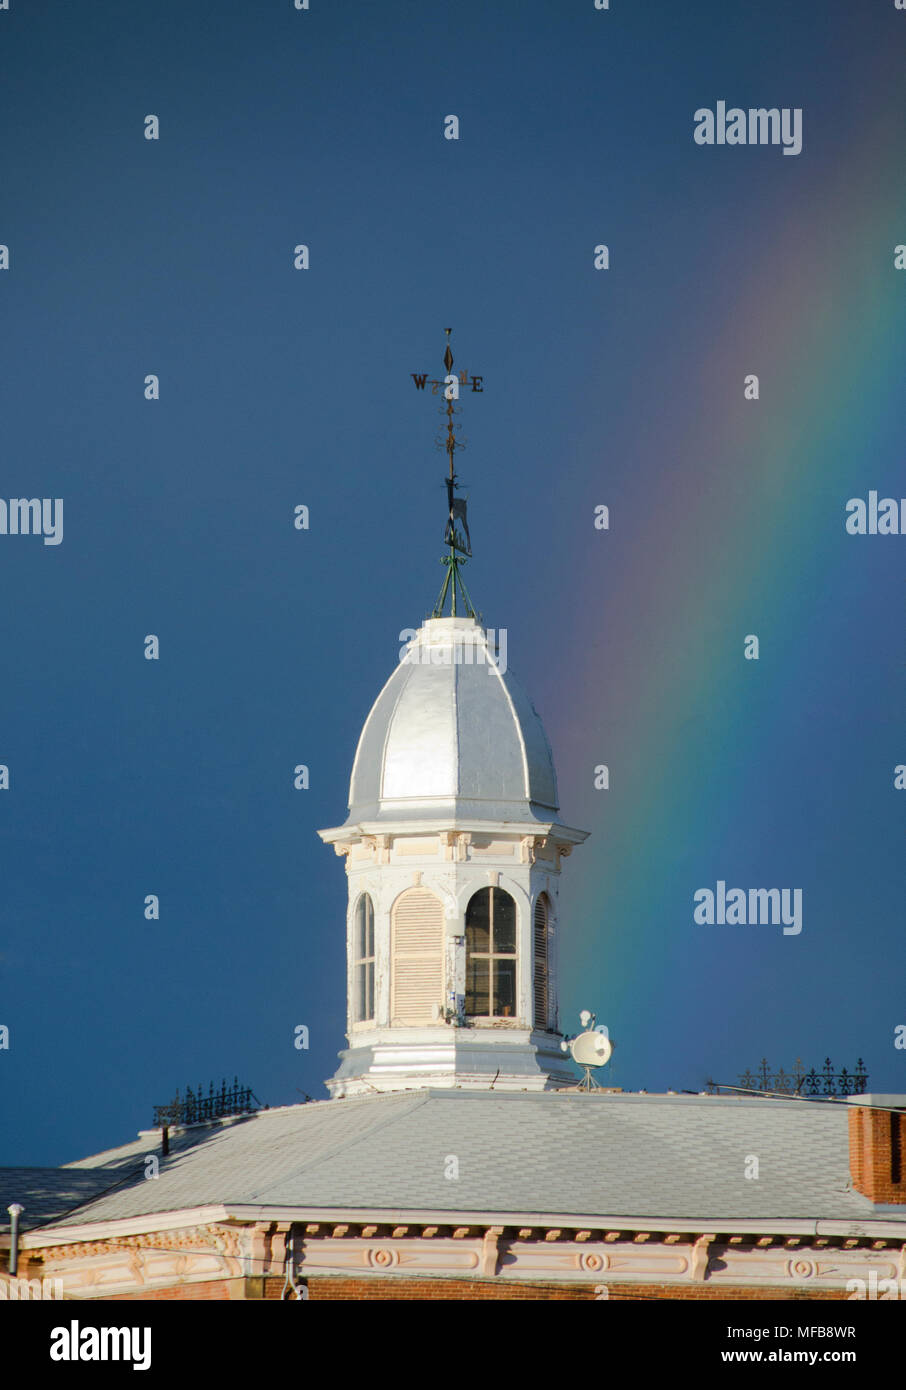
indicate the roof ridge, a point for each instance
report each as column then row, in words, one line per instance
column 520, row 732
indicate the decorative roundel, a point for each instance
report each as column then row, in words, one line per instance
column 382, row 1258
column 802, row 1269
column 592, row 1261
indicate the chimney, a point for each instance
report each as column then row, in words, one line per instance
column 877, row 1147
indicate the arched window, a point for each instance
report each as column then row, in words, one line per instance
column 491, row 955
column 363, row 960
column 541, row 952
column 417, row 958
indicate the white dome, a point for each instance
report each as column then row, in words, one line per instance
column 452, row 734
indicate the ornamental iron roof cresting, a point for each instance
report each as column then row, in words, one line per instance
column 197, row 1108
column 798, row 1081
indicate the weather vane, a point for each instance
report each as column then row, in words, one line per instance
column 456, row 532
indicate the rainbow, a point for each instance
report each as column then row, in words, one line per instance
column 747, row 537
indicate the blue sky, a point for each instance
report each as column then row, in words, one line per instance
column 279, row 388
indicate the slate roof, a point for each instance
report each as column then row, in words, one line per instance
column 48, row 1193
column 567, row 1153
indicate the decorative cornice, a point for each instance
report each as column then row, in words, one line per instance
column 881, row 1232
column 394, row 1243
column 555, row 830
column 222, row 1239
column 549, row 1254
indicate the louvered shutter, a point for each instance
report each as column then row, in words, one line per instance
column 540, row 981
column 417, row 943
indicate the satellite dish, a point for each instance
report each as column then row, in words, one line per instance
column 590, row 1048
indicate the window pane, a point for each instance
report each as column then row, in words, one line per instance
column 504, row 922
column 359, row 939
column 477, row 987
column 364, row 993
column 478, row 925
column 364, row 928
column 505, row 988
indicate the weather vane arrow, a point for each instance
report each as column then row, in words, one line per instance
column 422, row 379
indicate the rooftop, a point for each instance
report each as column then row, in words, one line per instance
column 654, row 1159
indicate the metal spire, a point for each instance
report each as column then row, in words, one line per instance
column 456, row 538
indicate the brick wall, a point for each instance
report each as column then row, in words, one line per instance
column 877, row 1153
column 217, row 1289
column 353, row 1289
